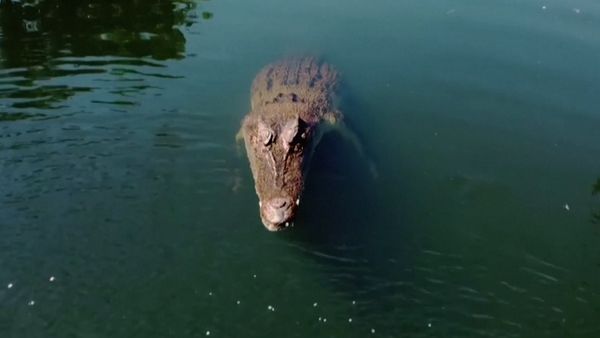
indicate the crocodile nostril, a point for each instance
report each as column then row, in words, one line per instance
column 278, row 202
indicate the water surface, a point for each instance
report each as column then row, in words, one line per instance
column 122, row 212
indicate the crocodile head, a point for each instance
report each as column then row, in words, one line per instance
column 276, row 145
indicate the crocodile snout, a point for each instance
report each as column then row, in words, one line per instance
column 277, row 212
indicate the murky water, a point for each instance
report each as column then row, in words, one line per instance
column 122, row 215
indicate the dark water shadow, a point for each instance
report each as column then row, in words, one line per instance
column 358, row 237
column 595, row 215
column 357, row 117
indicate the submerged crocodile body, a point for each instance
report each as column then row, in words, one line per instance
column 292, row 104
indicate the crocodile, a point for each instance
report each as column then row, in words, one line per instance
column 293, row 104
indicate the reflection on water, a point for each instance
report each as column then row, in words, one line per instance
column 77, row 79
column 44, row 41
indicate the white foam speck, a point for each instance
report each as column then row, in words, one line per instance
column 10, row 285
column 315, row 304
column 208, row 333
column 254, row 276
column 350, row 320
column 238, row 302
column 51, row 279
column 31, row 303
column 372, row 330
column 429, row 325
column 353, row 302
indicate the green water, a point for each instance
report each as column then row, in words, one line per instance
column 121, row 214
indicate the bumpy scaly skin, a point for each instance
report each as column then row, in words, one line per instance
column 289, row 99
column 312, row 82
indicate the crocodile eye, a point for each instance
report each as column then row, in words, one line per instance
column 290, row 130
column 265, row 137
column 265, row 133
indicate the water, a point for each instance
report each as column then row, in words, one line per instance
column 122, row 213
